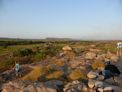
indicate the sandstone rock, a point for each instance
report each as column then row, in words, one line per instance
column 85, row 88
column 114, row 58
column 98, row 84
column 100, row 77
column 76, row 63
column 54, row 84
column 74, row 86
column 90, row 55
column 92, row 75
column 67, row 48
column 101, row 57
column 100, row 89
column 108, row 89
column 92, row 45
column 13, row 87
column 108, row 55
column 94, row 50
column 91, row 84
column 20, row 86
column 30, row 88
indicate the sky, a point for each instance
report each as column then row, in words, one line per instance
column 78, row 19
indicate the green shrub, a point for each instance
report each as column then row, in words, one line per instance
column 23, row 52
column 4, row 65
column 40, row 56
column 23, row 60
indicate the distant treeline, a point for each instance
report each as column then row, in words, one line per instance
column 18, row 42
column 10, row 42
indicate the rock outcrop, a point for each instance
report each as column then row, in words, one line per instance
column 20, row 86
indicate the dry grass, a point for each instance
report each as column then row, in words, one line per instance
column 55, row 75
column 58, row 62
column 77, row 75
column 97, row 64
column 35, row 74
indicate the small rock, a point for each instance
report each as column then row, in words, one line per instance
column 108, row 89
column 90, row 55
column 30, row 88
column 67, row 48
column 98, row 84
column 74, row 86
column 54, row 84
column 100, row 89
column 114, row 58
column 91, row 84
column 92, row 75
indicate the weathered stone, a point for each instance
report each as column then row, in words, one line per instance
column 98, row 84
column 74, row 86
column 54, row 84
column 67, row 48
column 76, row 63
column 92, row 75
column 26, row 87
column 108, row 89
column 114, row 58
column 94, row 50
column 91, row 83
column 90, row 55
column 30, row 88
column 100, row 89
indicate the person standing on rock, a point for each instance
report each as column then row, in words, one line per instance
column 17, row 68
column 119, row 49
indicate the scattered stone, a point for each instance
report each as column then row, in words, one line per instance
column 55, row 84
column 114, row 58
column 98, row 84
column 92, row 75
column 94, row 50
column 67, row 48
column 20, row 86
column 74, row 86
column 75, row 63
column 91, row 84
column 90, row 55
column 100, row 89
column 108, row 89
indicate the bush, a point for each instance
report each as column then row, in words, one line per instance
column 23, row 52
column 40, row 56
column 23, row 60
column 4, row 65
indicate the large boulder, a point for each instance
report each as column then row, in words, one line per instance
column 67, row 48
column 90, row 55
